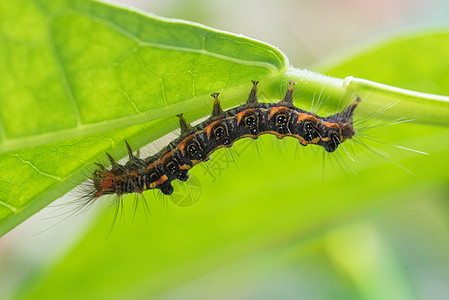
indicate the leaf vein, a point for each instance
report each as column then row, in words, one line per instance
column 57, row 59
column 35, row 168
column 9, row 206
column 177, row 48
column 129, row 100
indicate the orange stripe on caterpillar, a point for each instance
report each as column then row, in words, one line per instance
column 331, row 125
column 209, row 127
column 307, row 116
column 242, row 114
column 276, row 110
column 158, row 182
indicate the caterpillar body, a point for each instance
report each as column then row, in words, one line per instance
column 223, row 128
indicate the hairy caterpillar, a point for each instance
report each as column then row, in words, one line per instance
column 222, row 129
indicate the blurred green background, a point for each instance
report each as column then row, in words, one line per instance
column 275, row 220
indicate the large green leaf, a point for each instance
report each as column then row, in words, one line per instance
column 73, row 68
column 266, row 207
column 73, row 71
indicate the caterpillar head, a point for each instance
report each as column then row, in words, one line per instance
column 338, row 127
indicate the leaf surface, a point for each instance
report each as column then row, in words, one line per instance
column 77, row 74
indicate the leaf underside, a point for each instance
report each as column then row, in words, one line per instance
column 81, row 76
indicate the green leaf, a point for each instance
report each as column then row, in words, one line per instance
column 87, row 67
column 76, row 74
column 258, row 219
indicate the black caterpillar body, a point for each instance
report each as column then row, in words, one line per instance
column 222, row 129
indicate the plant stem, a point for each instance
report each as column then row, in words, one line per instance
column 386, row 102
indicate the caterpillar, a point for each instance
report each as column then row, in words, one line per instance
column 196, row 143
